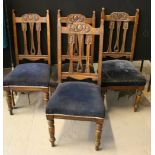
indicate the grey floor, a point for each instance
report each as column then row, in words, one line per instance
column 124, row 132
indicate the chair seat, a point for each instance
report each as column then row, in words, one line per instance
column 65, row 68
column 121, row 73
column 76, row 98
column 29, row 74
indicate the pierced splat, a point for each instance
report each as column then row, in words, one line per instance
column 88, row 41
column 32, row 50
column 125, row 28
column 38, row 29
column 24, row 29
column 116, row 47
column 111, row 27
column 80, row 52
column 71, row 42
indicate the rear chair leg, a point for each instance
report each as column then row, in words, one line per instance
column 137, row 99
column 99, row 125
column 51, row 131
column 46, row 97
column 9, row 101
column 12, row 97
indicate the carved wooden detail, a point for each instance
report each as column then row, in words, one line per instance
column 116, row 46
column 111, row 27
column 76, row 18
column 125, row 27
column 32, row 50
column 38, row 29
column 119, row 16
column 24, row 29
column 80, row 52
column 79, row 27
column 30, row 17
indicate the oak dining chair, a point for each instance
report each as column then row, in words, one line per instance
column 118, row 71
column 31, row 73
column 77, row 100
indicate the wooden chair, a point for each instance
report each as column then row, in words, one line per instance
column 27, row 77
column 77, row 100
column 121, row 74
column 64, row 20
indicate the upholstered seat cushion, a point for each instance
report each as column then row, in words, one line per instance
column 121, row 73
column 29, row 74
column 65, row 68
column 76, row 98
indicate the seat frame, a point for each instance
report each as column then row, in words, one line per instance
column 123, row 17
column 23, row 20
column 50, row 117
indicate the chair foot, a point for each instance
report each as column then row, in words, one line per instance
column 98, row 134
column 46, row 98
column 9, row 101
column 137, row 99
column 51, row 131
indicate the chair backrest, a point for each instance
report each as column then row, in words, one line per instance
column 75, row 17
column 84, row 32
column 119, row 24
column 31, row 25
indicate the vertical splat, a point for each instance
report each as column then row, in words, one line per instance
column 24, row 29
column 76, row 46
column 38, row 29
column 80, row 43
column 32, row 50
column 116, row 46
column 111, row 27
column 125, row 28
column 89, row 40
column 71, row 42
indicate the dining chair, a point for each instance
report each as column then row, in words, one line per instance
column 64, row 20
column 31, row 34
column 119, row 73
column 77, row 100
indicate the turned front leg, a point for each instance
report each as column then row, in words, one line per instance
column 98, row 134
column 9, row 101
column 137, row 99
column 51, row 131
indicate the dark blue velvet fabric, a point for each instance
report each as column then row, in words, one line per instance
column 76, row 98
column 65, row 68
column 121, row 73
column 29, row 74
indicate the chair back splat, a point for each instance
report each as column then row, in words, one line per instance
column 120, row 24
column 76, row 17
column 31, row 29
column 83, row 34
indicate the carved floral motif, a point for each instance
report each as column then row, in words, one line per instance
column 76, row 18
column 30, row 17
column 118, row 16
column 79, row 27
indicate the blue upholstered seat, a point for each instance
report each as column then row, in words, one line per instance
column 65, row 68
column 29, row 74
column 76, row 98
column 121, row 73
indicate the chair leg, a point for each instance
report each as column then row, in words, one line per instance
column 137, row 99
column 149, row 86
column 51, row 131
column 46, row 97
column 9, row 101
column 12, row 97
column 98, row 134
